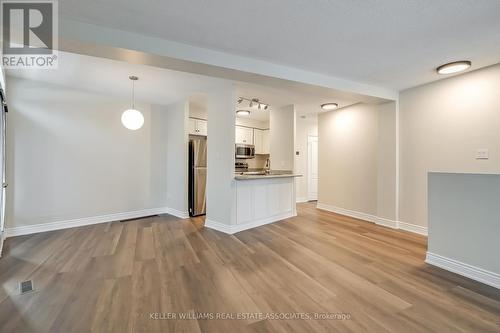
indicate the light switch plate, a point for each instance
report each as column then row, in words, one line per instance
column 482, row 154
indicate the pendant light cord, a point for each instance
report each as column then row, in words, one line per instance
column 133, row 94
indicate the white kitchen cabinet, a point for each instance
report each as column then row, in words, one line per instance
column 197, row 126
column 265, row 142
column 244, row 135
column 192, row 126
column 201, row 125
column 262, row 201
column 257, row 141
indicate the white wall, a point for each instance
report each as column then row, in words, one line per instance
column 221, row 195
column 2, row 77
column 348, row 143
column 386, row 162
column 357, row 161
column 158, row 156
column 70, row 157
column 174, row 119
column 197, row 111
column 252, row 123
column 305, row 127
column 441, row 125
column 281, row 138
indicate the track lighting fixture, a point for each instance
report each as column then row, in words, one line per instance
column 254, row 103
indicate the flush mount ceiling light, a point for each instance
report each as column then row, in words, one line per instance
column 132, row 118
column 254, row 103
column 453, row 67
column 243, row 113
column 329, row 106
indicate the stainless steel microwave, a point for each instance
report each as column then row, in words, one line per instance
column 245, row 151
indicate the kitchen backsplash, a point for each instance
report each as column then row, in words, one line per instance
column 259, row 162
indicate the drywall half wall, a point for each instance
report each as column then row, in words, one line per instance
column 442, row 125
column 69, row 157
column 281, row 137
column 463, row 225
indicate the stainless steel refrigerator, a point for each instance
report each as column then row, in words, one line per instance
column 197, row 175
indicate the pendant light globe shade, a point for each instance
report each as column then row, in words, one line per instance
column 132, row 119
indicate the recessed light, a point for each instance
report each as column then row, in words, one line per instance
column 453, row 67
column 243, row 113
column 329, row 106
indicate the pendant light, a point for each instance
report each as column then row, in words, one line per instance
column 132, row 118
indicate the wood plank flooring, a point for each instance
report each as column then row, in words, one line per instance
column 131, row 276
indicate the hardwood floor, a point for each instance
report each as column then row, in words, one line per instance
column 131, row 275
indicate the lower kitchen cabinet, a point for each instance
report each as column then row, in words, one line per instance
column 265, row 200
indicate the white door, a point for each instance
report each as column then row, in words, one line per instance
column 312, row 168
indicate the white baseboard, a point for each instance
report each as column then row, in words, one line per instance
column 301, row 199
column 50, row 226
column 177, row 213
column 225, row 228
column 375, row 219
column 417, row 229
column 387, row 223
column 472, row 272
column 232, row 229
column 347, row 212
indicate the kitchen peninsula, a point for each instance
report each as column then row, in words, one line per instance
column 264, row 198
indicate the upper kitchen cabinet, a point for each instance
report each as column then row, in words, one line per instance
column 261, row 141
column 197, row 126
column 265, row 142
column 244, row 135
column 201, row 125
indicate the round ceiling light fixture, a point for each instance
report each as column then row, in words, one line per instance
column 243, row 113
column 454, row 67
column 329, row 106
column 132, row 118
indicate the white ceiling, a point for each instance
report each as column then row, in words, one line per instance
column 278, row 98
column 162, row 86
column 106, row 76
column 390, row 43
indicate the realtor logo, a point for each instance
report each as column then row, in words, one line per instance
column 29, row 34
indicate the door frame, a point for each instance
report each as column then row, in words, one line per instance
column 311, row 139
